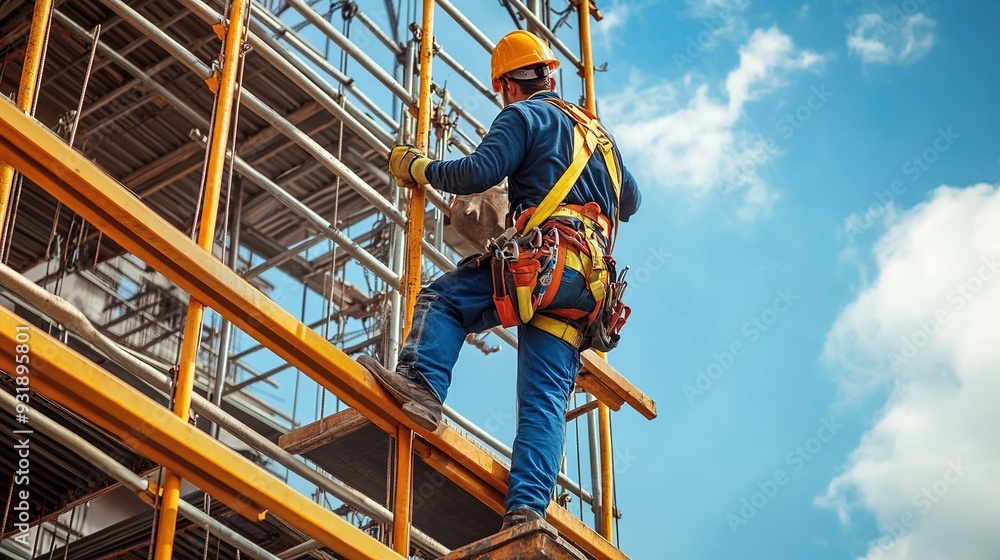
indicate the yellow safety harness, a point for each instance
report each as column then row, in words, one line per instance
column 588, row 134
column 532, row 255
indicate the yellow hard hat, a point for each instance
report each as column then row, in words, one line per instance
column 519, row 49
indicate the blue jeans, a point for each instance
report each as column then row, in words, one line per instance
column 461, row 302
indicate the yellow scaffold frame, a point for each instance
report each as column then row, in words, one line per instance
column 84, row 188
column 165, row 436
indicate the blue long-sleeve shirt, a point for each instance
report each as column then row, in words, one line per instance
column 531, row 143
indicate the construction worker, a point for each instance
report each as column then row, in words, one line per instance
column 531, row 143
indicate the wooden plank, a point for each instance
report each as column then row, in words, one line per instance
column 581, row 410
column 322, row 432
column 595, row 386
column 616, row 382
column 531, row 541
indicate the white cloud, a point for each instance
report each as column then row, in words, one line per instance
column 764, row 61
column 927, row 329
column 893, row 39
column 720, row 19
column 615, row 18
column 678, row 135
column 716, row 8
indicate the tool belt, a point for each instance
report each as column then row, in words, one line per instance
column 528, row 270
column 529, row 259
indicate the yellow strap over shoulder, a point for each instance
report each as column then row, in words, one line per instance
column 588, row 138
column 588, row 135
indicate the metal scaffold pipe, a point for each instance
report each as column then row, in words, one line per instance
column 351, row 49
column 587, row 51
column 226, row 330
column 65, row 313
column 398, row 50
column 31, row 71
column 284, row 256
column 323, row 225
column 480, row 129
column 506, row 451
column 605, row 526
column 276, row 120
column 258, row 107
column 335, row 165
column 594, row 446
column 192, row 116
column 412, row 277
column 386, row 40
column 289, row 35
column 90, row 192
column 415, row 225
column 94, row 456
column 535, row 7
column 215, row 166
column 128, row 14
column 399, row 233
column 546, row 32
column 450, row 61
column 81, row 386
column 321, row 154
column 306, row 78
column 467, row 25
column 605, row 521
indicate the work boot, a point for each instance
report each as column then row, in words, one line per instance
column 417, row 400
column 520, row 516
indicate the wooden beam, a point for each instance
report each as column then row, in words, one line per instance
column 322, row 431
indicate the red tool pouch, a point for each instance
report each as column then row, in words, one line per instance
column 503, row 296
column 617, row 315
column 515, row 263
column 524, row 272
column 527, row 273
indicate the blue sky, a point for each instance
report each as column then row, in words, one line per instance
column 821, row 222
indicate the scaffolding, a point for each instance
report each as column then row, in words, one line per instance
column 194, row 206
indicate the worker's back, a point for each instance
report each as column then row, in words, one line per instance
column 548, row 150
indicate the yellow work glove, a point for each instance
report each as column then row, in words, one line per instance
column 407, row 165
